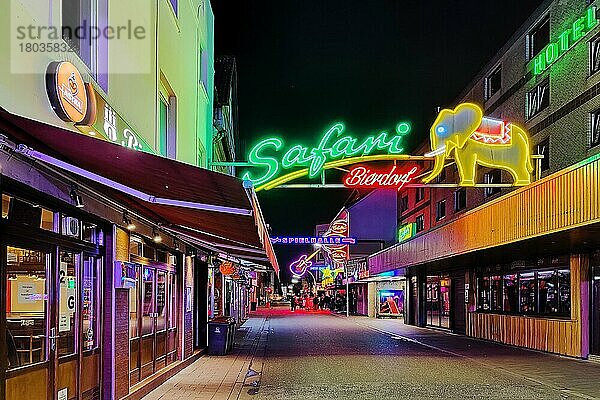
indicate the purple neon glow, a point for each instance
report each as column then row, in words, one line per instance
column 126, row 189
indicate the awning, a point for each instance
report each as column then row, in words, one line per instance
column 210, row 207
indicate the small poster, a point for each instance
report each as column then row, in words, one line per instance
column 63, row 394
column 64, row 322
column 26, row 293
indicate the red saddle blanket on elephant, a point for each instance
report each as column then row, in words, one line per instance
column 492, row 131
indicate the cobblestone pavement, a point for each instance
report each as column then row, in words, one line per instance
column 320, row 356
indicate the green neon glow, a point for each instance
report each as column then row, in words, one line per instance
column 565, row 41
column 332, row 146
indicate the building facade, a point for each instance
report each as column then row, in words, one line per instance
column 109, row 237
column 517, row 265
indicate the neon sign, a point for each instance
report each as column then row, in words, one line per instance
column 312, row 240
column 363, row 177
column 406, row 232
column 566, row 40
column 338, row 254
column 462, row 134
column 302, row 264
column 470, row 139
column 269, row 156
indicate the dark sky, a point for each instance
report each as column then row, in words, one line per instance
column 303, row 64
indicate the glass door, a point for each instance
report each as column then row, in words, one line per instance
column 64, row 336
column 148, row 328
column 27, row 314
column 161, row 320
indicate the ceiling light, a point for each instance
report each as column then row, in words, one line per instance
column 156, row 236
column 127, row 221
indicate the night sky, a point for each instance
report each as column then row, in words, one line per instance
column 303, row 64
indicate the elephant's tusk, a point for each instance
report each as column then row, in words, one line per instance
column 437, row 152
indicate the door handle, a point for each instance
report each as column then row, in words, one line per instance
column 52, row 338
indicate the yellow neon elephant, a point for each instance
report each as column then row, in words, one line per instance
column 464, row 135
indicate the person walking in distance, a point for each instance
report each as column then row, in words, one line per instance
column 315, row 302
column 293, row 303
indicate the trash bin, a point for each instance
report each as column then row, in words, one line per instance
column 218, row 338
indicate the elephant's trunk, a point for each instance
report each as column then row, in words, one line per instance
column 440, row 161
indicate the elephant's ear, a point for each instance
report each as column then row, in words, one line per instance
column 467, row 118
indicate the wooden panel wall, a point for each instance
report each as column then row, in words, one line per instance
column 566, row 199
column 561, row 336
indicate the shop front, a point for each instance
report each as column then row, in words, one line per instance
column 521, row 269
column 52, row 262
column 390, row 299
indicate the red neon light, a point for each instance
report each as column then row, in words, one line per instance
column 363, row 177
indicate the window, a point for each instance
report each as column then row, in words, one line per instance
column 420, row 194
column 460, row 199
column 91, row 302
column 5, row 205
column 26, row 307
column 544, row 149
column 595, row 129
column 595, row 55
column 538, row 38
column 403, row 204
column 539, row 292
column 167, row 124
column 440, row 210
column 68, row 303
column 420, row 222
column 163, row 127
column 490, row 178
column 174, row 5
column 493, row 83
column 76, row 15
column 527, row 293
column 537, row 99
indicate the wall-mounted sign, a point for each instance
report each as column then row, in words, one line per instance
column 76, row 101
column 565, row 41
column 464, row 135
column 69, row 94
column 406, row 232
column 271, row 157
column 392, row 178
column 301, row 265
column 338, row 254
column 358, row 268
column 461, row 133
column 227, row 268
column 312, row 240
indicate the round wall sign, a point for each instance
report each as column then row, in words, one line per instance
column 67, row 92
column 227, row 268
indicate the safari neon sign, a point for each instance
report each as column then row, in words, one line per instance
column 565, row 41
column 462, row 134
column 270, row 155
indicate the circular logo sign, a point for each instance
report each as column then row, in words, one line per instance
column 67, row 92
column 227, row 268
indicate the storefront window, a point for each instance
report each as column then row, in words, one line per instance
column 133, row 315
column 496, row 293
column 548, row 292
column 148, row 301
column 90, row 311
column 511, row 293
column 484, row 293
column 564, row 292
column 26, row 307
column 161, row 298
column 542, row 292
column 67, row 302
column 527, row 292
